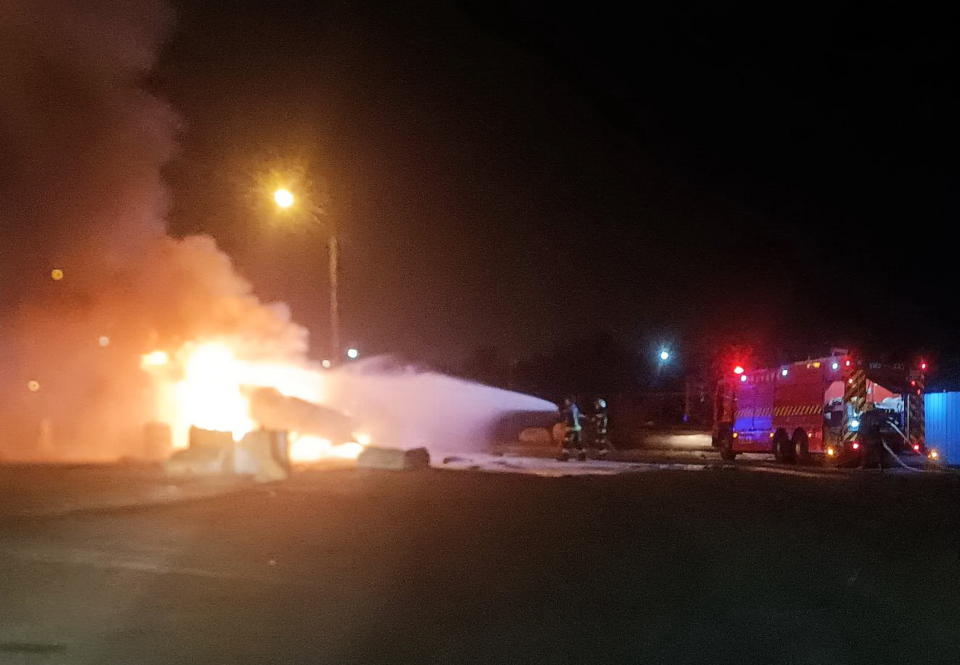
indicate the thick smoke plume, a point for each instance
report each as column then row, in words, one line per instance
column 83, row 141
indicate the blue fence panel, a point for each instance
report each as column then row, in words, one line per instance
column 943, row 424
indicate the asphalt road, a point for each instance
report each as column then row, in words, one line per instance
column 712, row 566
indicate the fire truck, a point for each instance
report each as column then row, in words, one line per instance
column 811, row 409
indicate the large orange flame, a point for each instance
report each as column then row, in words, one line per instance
column 205, row 385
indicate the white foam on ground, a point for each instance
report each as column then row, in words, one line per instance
column 549, row 468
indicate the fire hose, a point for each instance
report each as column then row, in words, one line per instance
column 893, row 454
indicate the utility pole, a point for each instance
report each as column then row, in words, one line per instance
column 284, row 199
column 334, row 265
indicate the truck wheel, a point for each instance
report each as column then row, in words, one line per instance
column 725, row 443
column 801, row 447
column 782, row 447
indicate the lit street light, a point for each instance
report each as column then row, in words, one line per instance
column 285, row 199
column 353, row 353
column 664, row 355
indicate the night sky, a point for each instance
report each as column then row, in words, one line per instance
column 523, row 175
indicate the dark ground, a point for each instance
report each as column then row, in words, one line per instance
column 445, row 567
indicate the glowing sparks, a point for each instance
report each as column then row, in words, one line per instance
column 56, row 274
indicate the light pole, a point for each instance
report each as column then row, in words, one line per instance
column 284, row 199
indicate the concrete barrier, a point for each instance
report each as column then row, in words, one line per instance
column 396, row 459
column 199, row 461
column 210, row 453
column 263, row 455
column 208, row 438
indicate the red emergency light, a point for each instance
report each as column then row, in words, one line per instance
column 738, row 369
column 856, row 445
column 923, row 365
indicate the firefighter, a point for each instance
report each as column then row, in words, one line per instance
column 600, row 422
column 570, row 415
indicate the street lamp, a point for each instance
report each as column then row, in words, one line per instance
column 353, row 353
column 664, row 355
column 285, row 199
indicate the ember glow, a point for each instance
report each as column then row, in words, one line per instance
column 207, row 385
column 315, row 448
